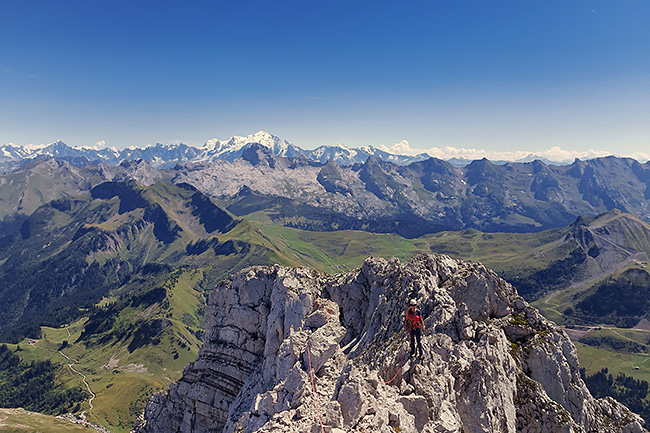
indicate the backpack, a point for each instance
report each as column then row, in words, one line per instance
column 413, row 318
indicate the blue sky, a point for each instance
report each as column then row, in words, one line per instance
column 497, row 77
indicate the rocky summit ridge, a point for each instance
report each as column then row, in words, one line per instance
column 492, row 363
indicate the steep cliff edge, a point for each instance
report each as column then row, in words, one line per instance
column 492, row 363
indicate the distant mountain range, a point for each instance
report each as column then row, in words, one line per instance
column 167, row 155
column 421, row 197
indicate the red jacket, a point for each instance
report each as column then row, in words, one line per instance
column 413, row 318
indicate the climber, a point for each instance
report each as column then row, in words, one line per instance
column 414, row 325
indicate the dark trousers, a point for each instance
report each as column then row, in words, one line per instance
column 415, row 334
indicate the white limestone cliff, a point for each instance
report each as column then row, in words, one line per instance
column 492, row 363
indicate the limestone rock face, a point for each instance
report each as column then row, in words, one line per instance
column 295, row 350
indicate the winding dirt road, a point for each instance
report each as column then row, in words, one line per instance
column 70, row 365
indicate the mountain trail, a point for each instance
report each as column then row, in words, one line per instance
column 70, row 365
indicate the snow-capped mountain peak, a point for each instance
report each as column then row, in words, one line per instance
column 168, row 155
column 234, row 146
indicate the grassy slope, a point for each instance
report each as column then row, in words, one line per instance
column 21, row 421
column 554, row 305
column 594, row 359
column 344, row 250
column 121, row 379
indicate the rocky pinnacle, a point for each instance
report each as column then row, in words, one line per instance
column 492, row 363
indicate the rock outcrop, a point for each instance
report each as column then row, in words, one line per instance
column 295, row 350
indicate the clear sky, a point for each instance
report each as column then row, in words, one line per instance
column 497, row 76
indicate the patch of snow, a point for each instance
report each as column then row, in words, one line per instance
column 34, row 147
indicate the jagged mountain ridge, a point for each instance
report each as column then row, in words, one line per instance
column 422, row 197
column 492, row 362
column 378, row 196
column 167, row 155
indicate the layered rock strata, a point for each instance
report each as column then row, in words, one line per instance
column 295, row 350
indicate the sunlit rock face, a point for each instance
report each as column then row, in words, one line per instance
column 492, row 363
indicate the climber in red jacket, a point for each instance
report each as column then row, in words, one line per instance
column 414, row 325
